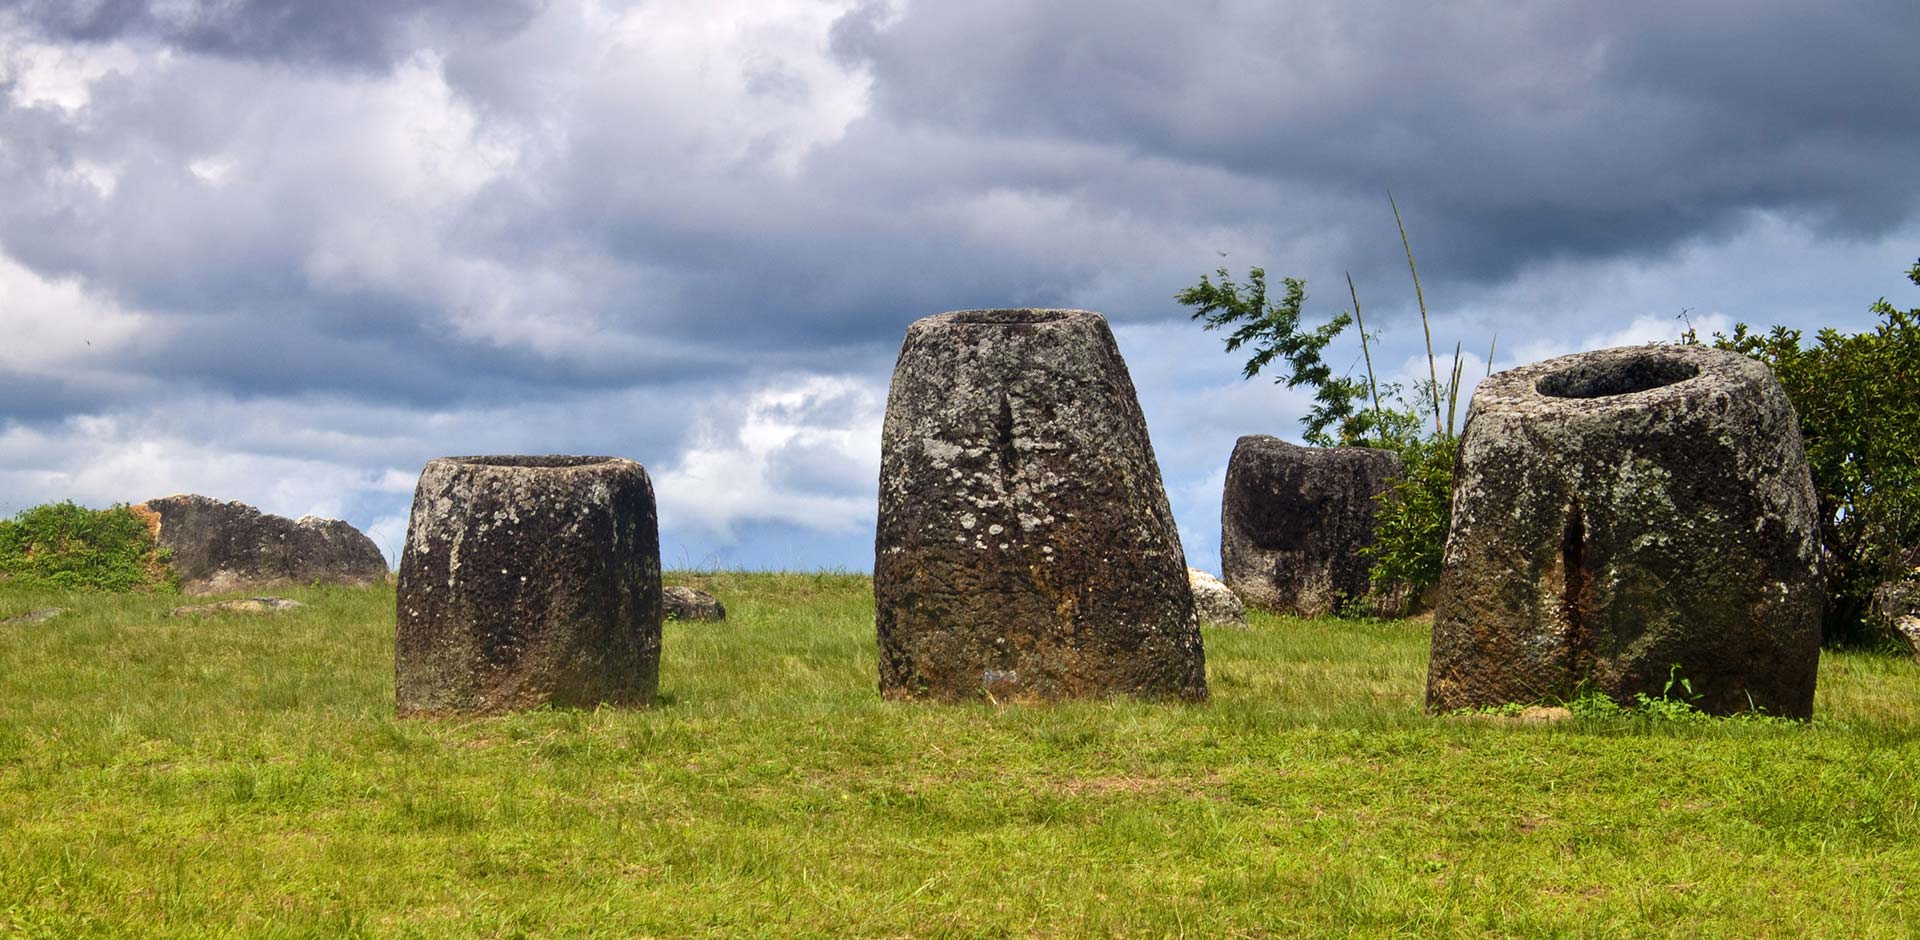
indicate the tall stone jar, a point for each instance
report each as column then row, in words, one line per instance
column 1626, row 519
column 529, row 581
column 1025, row 547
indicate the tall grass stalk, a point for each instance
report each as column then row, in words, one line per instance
column 1373, row 387
column 1433, row 372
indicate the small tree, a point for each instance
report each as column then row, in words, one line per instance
column 1858, row 400
column 1275, row 332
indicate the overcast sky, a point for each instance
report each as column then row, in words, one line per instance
column 286, row 251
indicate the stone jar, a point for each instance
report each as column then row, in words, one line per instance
column 1625, row 517
column 1025, row 548
column 529, row 581
column 1293, row 522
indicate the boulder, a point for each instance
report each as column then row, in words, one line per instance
column 528, row 581
column 1213, row 602
column 1293, row 521
column 1625, row 515
column 230, row 546
column 685, row 603
column 1025, row 548
column 1896, row 611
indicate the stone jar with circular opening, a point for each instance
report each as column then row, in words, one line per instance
column 1025, row 547
column 528, row 581
column 1625, row 519
column 1294, row 522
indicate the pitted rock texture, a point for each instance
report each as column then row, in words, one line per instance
column 528, row 581
column 1896, row 611
column 685, row 603
column 222, row 546
column 1622, row 513
column 1025, row 547
column 1215, row 603
column 1293, row 521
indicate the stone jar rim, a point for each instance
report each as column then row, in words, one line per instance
column 536, row 463
column 1620, row 378
column 1011, row 316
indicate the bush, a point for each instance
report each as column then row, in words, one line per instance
column 61, row 545
column 1410, row 531
column 1858, row 399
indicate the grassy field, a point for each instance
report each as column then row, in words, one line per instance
column 244, row 776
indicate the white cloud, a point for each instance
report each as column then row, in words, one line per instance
column 62, row 77
column 57, row 326
column 742, row 469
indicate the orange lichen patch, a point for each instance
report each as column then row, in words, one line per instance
column 148, row 516
column 155, row 562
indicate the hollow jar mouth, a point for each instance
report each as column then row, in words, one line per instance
column 1008, row 317
column 532, row 462
column 1619, row 376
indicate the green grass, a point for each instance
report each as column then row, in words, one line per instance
column 244, row 776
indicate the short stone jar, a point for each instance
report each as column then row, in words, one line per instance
column 529, row 581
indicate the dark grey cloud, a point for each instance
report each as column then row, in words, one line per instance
column 1510, row 134
column 360, row 34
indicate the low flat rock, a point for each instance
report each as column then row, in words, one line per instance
column 1215, row 603
column 42, row 615
column 220, row 546
column 245, row 605
column 685, row 603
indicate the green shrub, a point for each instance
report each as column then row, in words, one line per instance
column 1410, row 531
column 1858, row 399
column 62, row 545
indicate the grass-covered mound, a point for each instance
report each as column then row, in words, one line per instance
column 244, row 776
column 73, row 548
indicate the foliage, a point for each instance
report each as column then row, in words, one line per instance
column 71, row 547
column 1275, row 331
column 1858, row 400
column 1410, row 529
column 231, row 776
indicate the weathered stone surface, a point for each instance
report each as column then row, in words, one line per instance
column 245, row 605
column 1896, row 611
column 685, row 603
column 1622, row 512
column 1293, row 521
column 1025, row 547
column 529, row 581
column 42, row 615
column 230, row 546
column 1213, row 602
